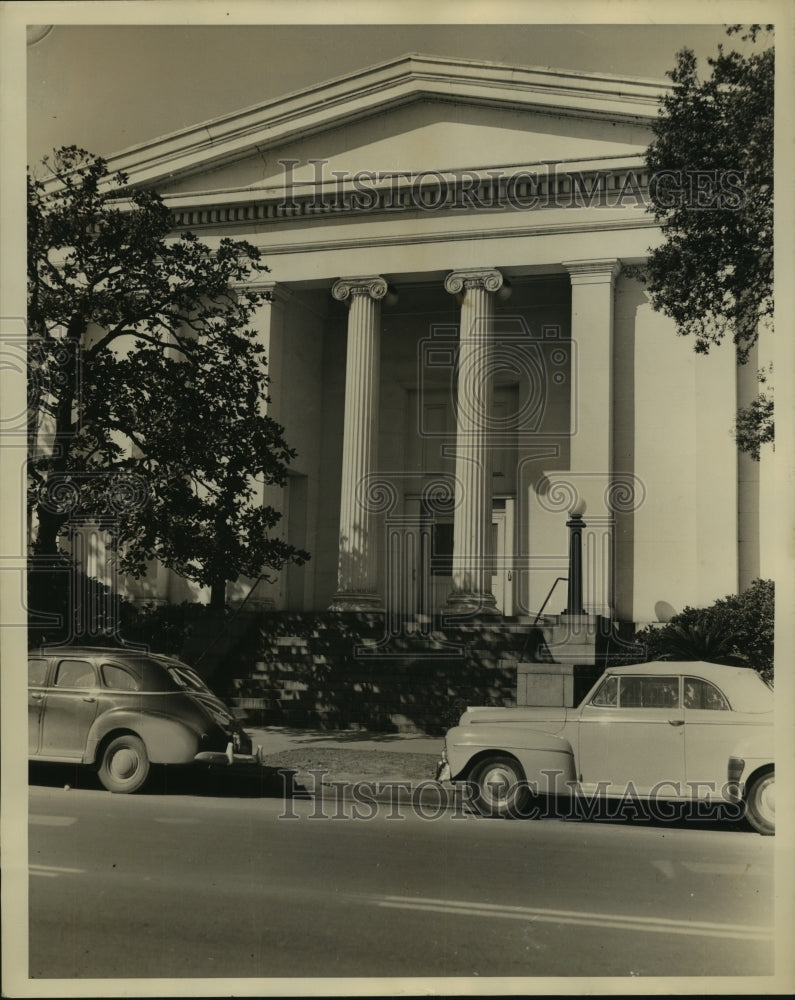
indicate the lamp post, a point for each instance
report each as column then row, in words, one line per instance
column 575, row 524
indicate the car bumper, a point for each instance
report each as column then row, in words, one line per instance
column 229, row 757
column 443, row 772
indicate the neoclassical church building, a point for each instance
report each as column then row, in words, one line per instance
column 459, row 351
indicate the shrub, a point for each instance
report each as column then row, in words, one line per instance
column 66, row 605
column 736, row 630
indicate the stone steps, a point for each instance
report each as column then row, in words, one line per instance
column 305, row 672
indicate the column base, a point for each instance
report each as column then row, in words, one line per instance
column 472, row 604
column 352, row 600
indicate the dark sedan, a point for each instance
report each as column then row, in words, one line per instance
column 122, row 710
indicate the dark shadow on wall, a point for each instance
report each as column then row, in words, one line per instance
column 306, row 670
column 664, row 611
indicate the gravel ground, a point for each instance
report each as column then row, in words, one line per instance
column 343, row 764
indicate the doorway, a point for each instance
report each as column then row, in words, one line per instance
column 502, row 553
column 430, row 557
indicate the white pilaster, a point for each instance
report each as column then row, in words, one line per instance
column 270, row 325
column 357, row 575
column 475, row 290
column 591, row 456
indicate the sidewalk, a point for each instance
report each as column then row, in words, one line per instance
column 349, row 755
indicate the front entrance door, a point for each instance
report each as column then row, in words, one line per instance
column 502, row 554
column 431, row 557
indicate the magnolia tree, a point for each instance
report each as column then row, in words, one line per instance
column 712, row 161
column 148, row 388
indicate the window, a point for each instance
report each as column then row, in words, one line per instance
column 607, row 695
column 492, row 556
column 74, row 674
column 701, row 694
column 37, row 673
column 186, row 677
column 119, row 679
column 442, row 550
column 649, row 692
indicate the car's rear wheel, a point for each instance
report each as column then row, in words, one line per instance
column 760, row 804
column 125, row 764
column 500, row 789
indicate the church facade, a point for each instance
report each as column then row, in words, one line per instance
column 461, row 352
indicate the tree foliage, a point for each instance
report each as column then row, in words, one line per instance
column 147, row 383
column 738, row 630
column 712, row 164
column 755, row 424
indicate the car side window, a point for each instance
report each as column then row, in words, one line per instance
column 37, row 673
column 118, row 678
column 607, row 695
column 74, row 674
column 649, row 692
column 700, row 694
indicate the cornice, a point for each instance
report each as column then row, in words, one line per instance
column 494, row 190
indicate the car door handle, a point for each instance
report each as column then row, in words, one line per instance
column 676, row 722
column 89, row 697
column 36, row 697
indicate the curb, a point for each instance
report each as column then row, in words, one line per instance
column 394, row 790
column 328, row 786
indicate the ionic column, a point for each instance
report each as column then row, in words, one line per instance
column 475, row 290
column 592, row 294
column 357, row 574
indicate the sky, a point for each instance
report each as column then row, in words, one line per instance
column 108, row 87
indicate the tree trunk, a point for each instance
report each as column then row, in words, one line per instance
column 48, row 530
column 218, row 595
column 55, row 507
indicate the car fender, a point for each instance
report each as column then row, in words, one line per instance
column 547, row 760
column 754, row 751
column 168, row 741
column 759, row 744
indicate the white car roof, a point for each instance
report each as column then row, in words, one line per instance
column 699, row 668
column 745, row 688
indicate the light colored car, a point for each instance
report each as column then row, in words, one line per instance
column 658, row 731
column 122, row 710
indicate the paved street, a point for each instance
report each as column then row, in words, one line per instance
column 202, row 885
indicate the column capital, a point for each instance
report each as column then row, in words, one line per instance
column 593, row 272
column 277, row 293
column 488, row 278
column 372, row 285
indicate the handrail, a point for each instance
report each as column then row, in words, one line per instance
column 546, row 599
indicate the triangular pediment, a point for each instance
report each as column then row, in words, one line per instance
column 413, row 114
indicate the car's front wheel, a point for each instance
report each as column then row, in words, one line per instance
column 760, row 804
column 500, row 788
column 124, row 766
